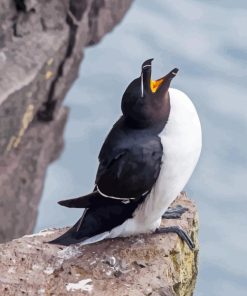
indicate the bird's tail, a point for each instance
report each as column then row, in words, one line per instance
column 99, row 218
column 70, row 237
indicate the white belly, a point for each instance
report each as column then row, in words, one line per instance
column 181, row 140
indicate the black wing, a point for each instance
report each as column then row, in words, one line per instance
column 130, row 162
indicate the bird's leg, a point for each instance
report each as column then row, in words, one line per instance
column 180, row 232
column 174, row 213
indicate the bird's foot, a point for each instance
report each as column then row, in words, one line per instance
column 180, row 232
column 174, row 213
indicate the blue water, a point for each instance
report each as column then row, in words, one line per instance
column 207, row 41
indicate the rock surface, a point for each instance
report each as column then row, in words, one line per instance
column 41, row 46
column 22, row 173
column 152, row 264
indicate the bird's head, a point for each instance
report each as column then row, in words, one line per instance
column 146, row 102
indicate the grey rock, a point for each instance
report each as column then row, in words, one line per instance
column 41, row 47
column 22, row 175
column 32, row 267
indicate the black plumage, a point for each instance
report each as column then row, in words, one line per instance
column 129, row 161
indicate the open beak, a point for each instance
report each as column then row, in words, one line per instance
column 155, row 85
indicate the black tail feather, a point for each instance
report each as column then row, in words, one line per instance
column 97, row 220
column 69, row 237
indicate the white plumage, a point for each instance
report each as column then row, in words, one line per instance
column 181, row 139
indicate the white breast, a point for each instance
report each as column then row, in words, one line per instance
column 181, row 140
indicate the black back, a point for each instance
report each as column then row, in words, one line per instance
column 129, row 161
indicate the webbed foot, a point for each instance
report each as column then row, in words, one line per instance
column 174, row 213
column 180, row 232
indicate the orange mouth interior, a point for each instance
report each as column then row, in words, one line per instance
column 154, row 84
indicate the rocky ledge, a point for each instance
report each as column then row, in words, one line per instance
column 152, row 264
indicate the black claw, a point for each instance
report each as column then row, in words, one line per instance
column 180, row 232
column 174, row 213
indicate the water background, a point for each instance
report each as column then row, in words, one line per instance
column 207, row 41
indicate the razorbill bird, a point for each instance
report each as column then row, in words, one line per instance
column 144, row 163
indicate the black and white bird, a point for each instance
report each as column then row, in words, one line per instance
column 144, row 163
